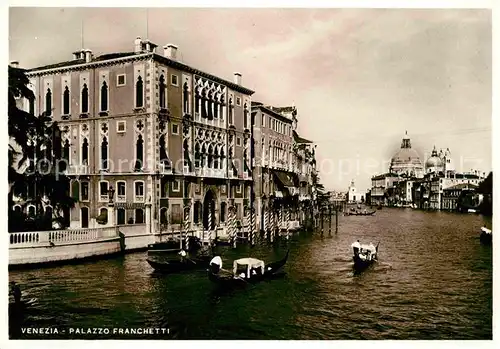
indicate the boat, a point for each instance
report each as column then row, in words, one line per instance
column 360, row 213
column 179, row 264
column 175, row 246
column 364, row 255
column 245, row 271
column 218, row 241
column 486, row 235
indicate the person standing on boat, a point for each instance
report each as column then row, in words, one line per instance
column 372, row 250
column 356, row 247
column 183, row 255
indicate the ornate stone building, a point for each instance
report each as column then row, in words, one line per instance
column 154, row 129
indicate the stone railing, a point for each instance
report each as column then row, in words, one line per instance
column 43, row 238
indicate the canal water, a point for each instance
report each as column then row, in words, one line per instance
column 433, row 281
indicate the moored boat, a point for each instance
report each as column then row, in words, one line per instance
column 486, row 236
column 179, row 265
column 360, row 213
column 245, row 271
column 364, row 255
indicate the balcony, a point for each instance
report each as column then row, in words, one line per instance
column 210, row 172
column 139, row 198
column 121, row 198
column 164, row 168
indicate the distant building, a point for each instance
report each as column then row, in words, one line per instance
column 353, row 196
column 451, row 195
column 382, row 190
column 406, row 162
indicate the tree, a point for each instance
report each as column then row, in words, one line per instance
column 36, row 169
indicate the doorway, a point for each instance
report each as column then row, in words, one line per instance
column 209, row 206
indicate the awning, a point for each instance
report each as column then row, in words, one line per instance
column 285, row 178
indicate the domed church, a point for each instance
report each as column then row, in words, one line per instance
column 439, row 162
column 406, row 162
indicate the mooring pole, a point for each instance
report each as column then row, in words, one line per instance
column 330, row 219
column 336, row 219
column 322, row 222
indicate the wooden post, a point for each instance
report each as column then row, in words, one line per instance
column 336, row 219
column 322, row 218
column 330, row 219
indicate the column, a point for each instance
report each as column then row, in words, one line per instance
column 148, row 217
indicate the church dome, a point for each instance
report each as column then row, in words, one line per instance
column 434, row 161
column 406, row 161
column 406, row 155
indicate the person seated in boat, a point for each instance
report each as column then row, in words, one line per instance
column 183, row 255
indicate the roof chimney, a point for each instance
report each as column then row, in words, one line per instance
column 14, row 64
column 237, row 78
column 79, row 54
column 88, row 56
column 138, row 45
column 170, row 51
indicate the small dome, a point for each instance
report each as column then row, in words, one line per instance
column 435, row 160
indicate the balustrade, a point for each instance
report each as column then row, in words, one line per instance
column 28, row 239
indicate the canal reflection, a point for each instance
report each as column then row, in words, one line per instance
column 433, row 281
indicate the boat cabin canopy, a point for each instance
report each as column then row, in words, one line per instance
column 248, row 264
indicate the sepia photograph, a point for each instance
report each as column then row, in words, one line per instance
column 211, row 173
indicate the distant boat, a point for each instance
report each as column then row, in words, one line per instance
column 364, row 255
column 486, row 236
column 360, row 213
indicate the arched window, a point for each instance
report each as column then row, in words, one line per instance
column 139, row 216
column 139, row 150
column 230, row 111
column 245, row 116
column 163, row 150
column 203, row 101
column 104, row 154
column 203, row 155
column 66, row 101
column 162, row 88
column 185, row 98
column 222, row 212
column 197, row 102
column 120, row 216
column 48, row 103
column 210, row 101
column 197, row 211
column 222, row 158
column 185, row 146
column 210, row 162
column 104, row 96
column 221, row 106
column 216, row 107
column 197, row 155
column 103, row 214
column 66, row 151
column 164, row 216
column 216, row 158
column 85, row 152
column 85, row 99
column 139, row 93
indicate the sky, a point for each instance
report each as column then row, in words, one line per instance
column 359, row 78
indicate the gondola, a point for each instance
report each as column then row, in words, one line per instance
column 360, row 213
column 174, row 246
column 486, row 236
column 179, row 265
column 245, row 271
column 364, row 255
